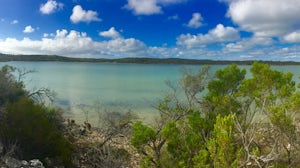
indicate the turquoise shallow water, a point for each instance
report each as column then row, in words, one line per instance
column 80, row 86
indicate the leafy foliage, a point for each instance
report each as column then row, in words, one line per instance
column 11, row 90
column 34, row 128
column 222, row 148
column 142, row 135
column 239, row 122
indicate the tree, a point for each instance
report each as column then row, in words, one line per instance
column 239, row 122
column 150, row 141
column 144, row 139
column 269, row 100
column 35, row 129
column 11, row 90
column 222, row 90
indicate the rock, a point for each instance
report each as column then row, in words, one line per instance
column 35, row 163
column 24, row 163
column 82, row 130
column 12, row 162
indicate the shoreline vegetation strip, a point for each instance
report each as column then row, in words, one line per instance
column 8, row 58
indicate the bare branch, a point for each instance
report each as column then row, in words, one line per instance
column 42, row 95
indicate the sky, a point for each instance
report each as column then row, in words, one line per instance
column 191, row 29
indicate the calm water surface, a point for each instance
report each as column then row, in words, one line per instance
column 80, row 86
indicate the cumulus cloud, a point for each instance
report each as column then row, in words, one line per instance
column 275, row 53
column 79, row 44
column 28, row 29
column 74, row 44
column 293, row 37
column 196, row 21
column 288, row 53
column 218, row 34
column 14, row 22
column 271, row 52
column 50, row 7
column 273, row 18
column 149, row 7
column 81, row 15
column 130, row 46
column 249, row 43
column 143, row 7
column 111, row 33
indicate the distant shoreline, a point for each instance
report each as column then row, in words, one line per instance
column 45, row 58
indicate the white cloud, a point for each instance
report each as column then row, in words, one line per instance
column 143, row 7
column 79, row 44
column 262, row 53
column 271, row 53
column 130, row 46
column 14, row 22
column 45, row 35
column 288, row 53
column 74, row 44
column 149, row 7
column 28, row 29
column 293, row 37
column 196, row 21
column 224, row 33
column 111, row 33
column 81, row 15
column 273, row 18
column 249, row 43
column 50, row 7
column 216, row 35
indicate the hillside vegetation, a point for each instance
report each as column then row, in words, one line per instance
column 141, row 60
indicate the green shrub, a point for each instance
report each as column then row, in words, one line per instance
column 10, row 88
column 237, row 122
column 34, row 129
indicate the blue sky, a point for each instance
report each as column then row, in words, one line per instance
column 193, row 29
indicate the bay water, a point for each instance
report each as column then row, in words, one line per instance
column 84, row 90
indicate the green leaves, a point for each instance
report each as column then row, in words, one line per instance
column 142, row 135
column 10, row 89
column 227, row 81
column 34, row 127
column 221, row 146
column 238, row 122
column 36, row 130
column 267, row 84
column 222, row 92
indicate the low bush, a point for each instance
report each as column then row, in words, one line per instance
column 33, row 128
